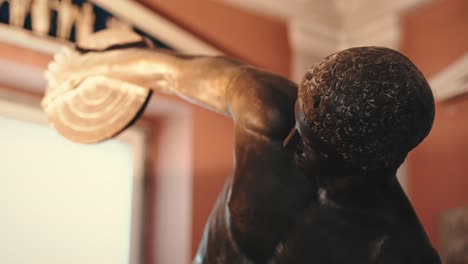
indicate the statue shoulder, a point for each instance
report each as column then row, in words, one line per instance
column 263, row 102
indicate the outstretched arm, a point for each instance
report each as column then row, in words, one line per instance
column 101, row 86
column 202, row 80
column 96, row 90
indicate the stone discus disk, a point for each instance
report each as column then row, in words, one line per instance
column 97, row 110
column 99, row 107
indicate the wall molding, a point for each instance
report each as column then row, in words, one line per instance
column 452, row 81
column 25, row 39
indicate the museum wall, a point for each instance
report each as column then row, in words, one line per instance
column 434, row 36
column 24, row 56
column 251, row 37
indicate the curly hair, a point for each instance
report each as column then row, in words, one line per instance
column 371, row 105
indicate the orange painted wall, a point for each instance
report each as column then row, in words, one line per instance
column 434, row 36
column 213, row 144
column 24, row 56
column 251, row 37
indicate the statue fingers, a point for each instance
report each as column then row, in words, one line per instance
column 65, row 53
column 57, row 88
column 59, row 69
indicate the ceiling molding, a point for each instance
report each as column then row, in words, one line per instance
column 384, row 31
column 318, row 28
column 452, row 81
column 23, row 38
column 157, row 26
column 288, row 8
column 129, row 13
column 312, row 10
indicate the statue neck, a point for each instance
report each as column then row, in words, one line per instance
column 338, row 182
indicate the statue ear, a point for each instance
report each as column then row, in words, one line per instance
column 111, row 39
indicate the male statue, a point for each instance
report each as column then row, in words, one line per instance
column 315, row 163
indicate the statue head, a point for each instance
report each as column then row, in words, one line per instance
column 367, row 106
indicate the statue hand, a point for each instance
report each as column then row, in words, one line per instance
column 93, row 96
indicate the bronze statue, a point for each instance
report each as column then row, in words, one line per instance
column 315, row 163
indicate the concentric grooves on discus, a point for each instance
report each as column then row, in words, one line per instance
column 99, row 108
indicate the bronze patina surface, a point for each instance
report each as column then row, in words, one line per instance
column 315, row 163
